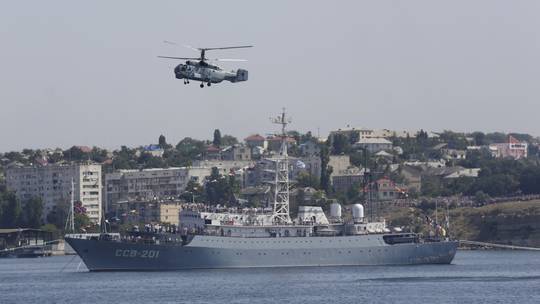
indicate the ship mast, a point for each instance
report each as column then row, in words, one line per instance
column 281, row 181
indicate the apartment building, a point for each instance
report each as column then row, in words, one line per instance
column 148, row 184
column 52, row 183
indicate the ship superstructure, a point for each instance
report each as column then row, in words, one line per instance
column 265, row 237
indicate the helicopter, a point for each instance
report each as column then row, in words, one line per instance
column 198, row 69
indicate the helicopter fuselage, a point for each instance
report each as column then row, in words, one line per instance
column 207, row 73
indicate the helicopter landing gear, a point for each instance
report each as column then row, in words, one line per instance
column 202, row 85
column 209, row 84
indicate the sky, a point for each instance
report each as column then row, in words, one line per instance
column 87, row 72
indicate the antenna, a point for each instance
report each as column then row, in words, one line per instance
column 281, row 180
column 71, row 218
column 72, row 205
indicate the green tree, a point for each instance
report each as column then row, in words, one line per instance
column 340, row 144
column 162, row 142
column 217, row 138
column 76, row 154
column 480, row 197
column 479, row 138
column 98, row 155
column 193, row 191
column 529, row 181
column 11, row 210
column 326, row 170
column 59, row 213
column 190, row 148
column 305, row 179
column 125, row 158
column 220, row 189
column 228, row 140
column 307, row 137
column 82, row 222
column 32, row 212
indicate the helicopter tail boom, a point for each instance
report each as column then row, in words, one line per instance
column 241, row 75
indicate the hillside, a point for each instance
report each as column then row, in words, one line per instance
column 516, row 223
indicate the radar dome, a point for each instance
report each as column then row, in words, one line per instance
column 358, row 211
column 335, row 210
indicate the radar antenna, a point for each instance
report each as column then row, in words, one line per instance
column 281, row 181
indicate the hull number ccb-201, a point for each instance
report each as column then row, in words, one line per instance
column 131, row 253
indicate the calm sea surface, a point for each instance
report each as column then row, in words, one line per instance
column 474, row 277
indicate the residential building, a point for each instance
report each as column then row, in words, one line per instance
column 148, row 184
column 224, row 166
column 464, row 172
column 412, row 176
column 348, row 178
column 353, row 134
column 512, row 149
column 256, row 140
column 385, row 189
column 236, row 152
column 149, row 211
column 53, row 183
column 431, row 163
column 310, row 148
column 274, row 142
column 169, row 212
column 256, row 196
column 312, row 165
column 454, row 154
column 373, row 144
column 339, row 163
column 212, row 153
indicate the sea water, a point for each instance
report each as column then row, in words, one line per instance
column 473, row 277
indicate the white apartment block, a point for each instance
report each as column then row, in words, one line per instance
column 147, row 184
column 52, row 183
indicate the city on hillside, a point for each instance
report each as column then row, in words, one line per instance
column 153, row 182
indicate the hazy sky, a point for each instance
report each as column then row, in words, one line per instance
column 86, row 72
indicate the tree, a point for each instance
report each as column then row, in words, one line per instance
column 228, row 140
column 32, row 212
column 217, row 138
column 480, row 197
column 354, row 137
column 82, row 222
column 11, row 210
column 529, row 181
column 124, row 158
column 98, row 155
column 76, row 154
column 305, row 179
column 326, row 170
column 340, row 144
column 190, row 148
column 220, row 189
column 162, row 142
column 59, row 213
column 479, row 138
column 192, row 192
column 307, row 137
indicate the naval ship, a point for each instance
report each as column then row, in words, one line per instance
column 257, row 239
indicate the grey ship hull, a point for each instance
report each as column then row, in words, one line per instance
column 236, row 252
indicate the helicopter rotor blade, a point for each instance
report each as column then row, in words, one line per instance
column 181, row 58
column 228, row 60
column 226, row 47
column 192, row 48
column 170, row 42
